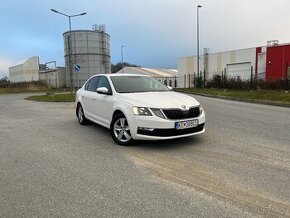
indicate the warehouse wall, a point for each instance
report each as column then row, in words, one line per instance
column 53, row 78
column 26, row 72
column 237, row 63
column 185, row 67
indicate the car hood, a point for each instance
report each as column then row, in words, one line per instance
column 169, row 99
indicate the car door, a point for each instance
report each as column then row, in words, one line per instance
column 103, row 104
column 89, row 97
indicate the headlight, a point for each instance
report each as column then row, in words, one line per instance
column 142, row 111
column 158, row 112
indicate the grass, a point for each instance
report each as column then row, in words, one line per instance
column 27, row 90
column 21, row 90
column 25, row 87
column 264, row 95
column 53, row 95
column 63, row 97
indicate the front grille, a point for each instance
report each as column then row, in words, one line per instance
column 171, row 132
column 178, row 114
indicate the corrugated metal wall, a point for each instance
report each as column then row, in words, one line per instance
column 90, row 50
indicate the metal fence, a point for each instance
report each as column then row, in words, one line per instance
column 247, row 77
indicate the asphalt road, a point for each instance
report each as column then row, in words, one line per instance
column 50, row 166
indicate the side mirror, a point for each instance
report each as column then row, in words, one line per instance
column 103, row 90
column 170, row 88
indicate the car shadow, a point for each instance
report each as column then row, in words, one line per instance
column 170, row 144
column 102, row 130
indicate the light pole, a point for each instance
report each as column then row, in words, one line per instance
column 69, row 44
column 122, row 55
column 197, row 32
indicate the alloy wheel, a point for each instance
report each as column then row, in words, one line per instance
column 80, row 114
column 121, row 130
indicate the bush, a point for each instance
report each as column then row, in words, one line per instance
column 199, row 82
column 4, row 81
column 215, row 82
column 271, row 84
column 237, row 83
column 221, row 82
column 28, row 86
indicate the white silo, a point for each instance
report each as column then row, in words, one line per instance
column 88, row 49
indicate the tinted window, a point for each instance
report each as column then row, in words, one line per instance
column 92, row 84
column 87, row 85
column 104, row 82
column 127, row 84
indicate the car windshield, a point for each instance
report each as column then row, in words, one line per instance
column 129, row 84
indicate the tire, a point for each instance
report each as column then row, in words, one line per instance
column 120, row 130
column 81, row 116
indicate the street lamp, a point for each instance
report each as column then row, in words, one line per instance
column 122, row 55
column 69, row 43
column 197, row 32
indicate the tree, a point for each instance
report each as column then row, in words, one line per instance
column 4, row 80
column 117, row 67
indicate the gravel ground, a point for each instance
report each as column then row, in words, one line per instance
column 52, row 166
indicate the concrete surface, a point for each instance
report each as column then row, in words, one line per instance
column 50, row 166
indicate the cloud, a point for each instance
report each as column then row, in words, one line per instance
column 155, row 32
column 5, row 63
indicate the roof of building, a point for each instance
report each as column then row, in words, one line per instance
column 238, row 49
column 150, row 71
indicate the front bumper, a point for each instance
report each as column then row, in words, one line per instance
column 155, row 128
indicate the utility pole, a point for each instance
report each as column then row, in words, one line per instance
column 69, row 45
column 197, row 33
column 122, row 55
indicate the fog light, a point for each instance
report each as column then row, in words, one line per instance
column 146, row 129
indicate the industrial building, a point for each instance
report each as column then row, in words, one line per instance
column 31, row 70
column 166, row 76
column 53, row 77
column 87, row 52
column 265, row 62
column 25, row 72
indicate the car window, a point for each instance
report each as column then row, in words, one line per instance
column 104, row 82
column 92, row 84
column 130, row 84
column 87, row 85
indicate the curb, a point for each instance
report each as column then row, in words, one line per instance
column 272, row 103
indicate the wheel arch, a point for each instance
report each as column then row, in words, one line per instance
column 118, row 111
column 121, row 111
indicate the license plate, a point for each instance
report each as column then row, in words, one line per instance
column 186, row 124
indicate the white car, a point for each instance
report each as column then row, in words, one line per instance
column 137, row 107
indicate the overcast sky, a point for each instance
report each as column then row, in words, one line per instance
column 155, row 33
